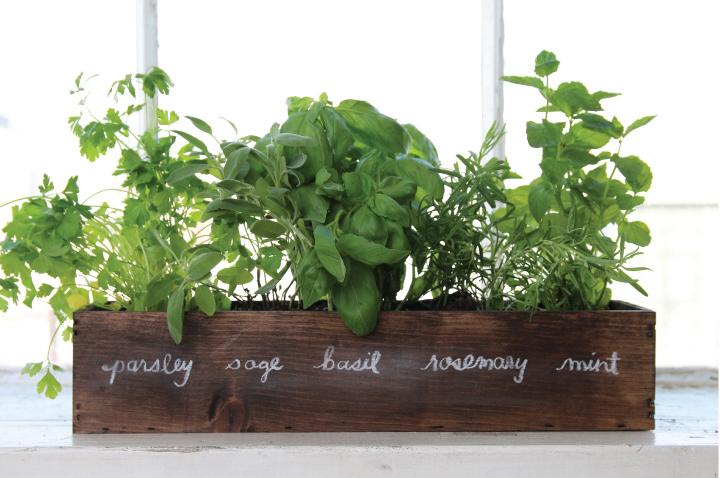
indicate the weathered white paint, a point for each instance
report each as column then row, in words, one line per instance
column 492, row 37
column 146, row 25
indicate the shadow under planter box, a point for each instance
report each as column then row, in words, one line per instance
column 279, row 371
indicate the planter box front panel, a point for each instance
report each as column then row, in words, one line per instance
column 419, row 371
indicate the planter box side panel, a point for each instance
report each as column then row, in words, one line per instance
column 419, row 371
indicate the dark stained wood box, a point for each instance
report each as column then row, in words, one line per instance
column 419, row 371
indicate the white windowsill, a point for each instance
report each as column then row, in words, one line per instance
column 36, row 438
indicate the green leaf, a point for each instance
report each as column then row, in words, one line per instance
column 373, row 128
column 533, row 81
column 175, row 314
column 313, row 280
column 322, row 177
column 327, row 253
column 338, row 134
column 400, row 189
column 205, row 300
column 32, row 368
column 293, row 140
column 202, row 264
column 546, row 63
column 200, row 124
column 635, row 232
column 358, row 186
column 192, row 140
column 358, row 300
column 186, row 171
column 237, row 165
column 316, row 148
column 385, row 206
column 366, row 223
column 166, row 117
column 636, row 172
column 234, row 276
column 542, row 135
column 420, row 173
column 589, row 138
column 638, row 123
column 421, row 146
column 312, row 206
column 267, row 229
column 540, row 199
column 49, row 385
column 573, row 97
column 368, row 252
column 232, row 205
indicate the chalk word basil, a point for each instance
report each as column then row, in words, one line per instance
column 165, row 366
column 266, row 365
column 358, row 365
column 472, row 362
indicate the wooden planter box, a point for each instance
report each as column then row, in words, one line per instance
column 419, row 371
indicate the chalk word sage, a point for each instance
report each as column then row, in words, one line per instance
column 166, row 366
column 472, row 362
column 592, row 365
column 361, row 364
column 267, row 366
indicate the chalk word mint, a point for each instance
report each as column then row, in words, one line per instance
column 166, row 366
column 369, row 363
column 592, row 365
column 472, row 362
column 266, row 366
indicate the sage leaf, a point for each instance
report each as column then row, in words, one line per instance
column 175, row 307
column 202, row 264
column 185, row 172
column 267, row 229
column 205, row 300
column 200, row 124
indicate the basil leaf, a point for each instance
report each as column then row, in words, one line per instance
column 327, row 253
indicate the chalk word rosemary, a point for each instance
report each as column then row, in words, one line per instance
column 472, row 362
column 165, row 366
column 266, row 366
column 596, row 365
column 359, row 365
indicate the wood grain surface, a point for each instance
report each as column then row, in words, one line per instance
column 394, row 393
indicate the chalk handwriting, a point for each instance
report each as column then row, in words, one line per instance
column 596, row 365
column 266, row 366
column 165, row 366
column 472, row 362
column 359, row 365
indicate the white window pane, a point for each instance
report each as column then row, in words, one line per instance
column 417, row 61
column 45, row 44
